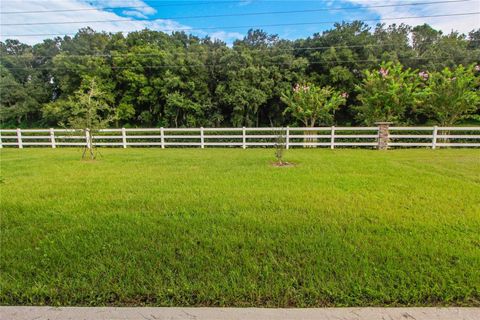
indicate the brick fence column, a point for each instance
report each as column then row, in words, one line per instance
column 383, row 131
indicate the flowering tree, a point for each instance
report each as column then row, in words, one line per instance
column 313, row 105
column 451, row 96
column 386, row 94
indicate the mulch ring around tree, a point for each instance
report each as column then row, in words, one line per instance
column 283, row 164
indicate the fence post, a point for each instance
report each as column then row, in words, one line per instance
column 52, row 138
column 19, row 138
column 1, row 144
column 202, row 138
column 287, row 138
column 124, row 138
column 434, row 137
column 87, row 138
column 383, row 135
column 244, row 138
column 332, row 138
column 162, row 138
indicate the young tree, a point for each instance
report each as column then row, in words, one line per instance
column 387, row 94
column 451, row 95
column 280, row 146
column 89, row 109
column 313, row 105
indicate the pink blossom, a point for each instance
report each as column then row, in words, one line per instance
column 300, row 88
column 424, row 75
column 383, row 72
column 344, row 95
column 477, row 67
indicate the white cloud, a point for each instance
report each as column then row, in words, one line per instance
column 463, row 24
column 138, row 6
column 227, row 37
column 92, row 14
column 133, row 13
column 142, row 10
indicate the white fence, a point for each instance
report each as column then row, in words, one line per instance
column 332, row 137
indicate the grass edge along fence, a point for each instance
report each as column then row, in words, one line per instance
column 382, row 136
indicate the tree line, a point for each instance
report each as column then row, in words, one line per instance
column 351, row 74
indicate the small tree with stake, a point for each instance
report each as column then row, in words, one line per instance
column 280, row 148
column 90, row 109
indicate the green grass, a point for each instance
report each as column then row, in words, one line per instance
column 222, row 227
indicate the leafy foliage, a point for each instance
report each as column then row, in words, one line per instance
column 388, row 93
column 452, row 95
column 179, row 80
column 88, row 109
column 313, row 105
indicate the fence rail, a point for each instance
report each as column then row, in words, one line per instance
column 431, row 137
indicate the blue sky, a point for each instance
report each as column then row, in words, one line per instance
column 244, row 7
column 171, row 15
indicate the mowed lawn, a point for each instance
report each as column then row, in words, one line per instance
column 222, row 227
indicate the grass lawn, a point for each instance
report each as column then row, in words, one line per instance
column 222, row 227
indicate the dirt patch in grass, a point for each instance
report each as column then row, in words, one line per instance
column 283, row 164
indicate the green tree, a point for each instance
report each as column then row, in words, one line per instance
column 15, row 102
column 452, row 95
column 387, row 94
column 424, row 36
column 313, row 105
column 244, row 88
column 26, row 81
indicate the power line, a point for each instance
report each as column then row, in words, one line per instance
column 228, row 64
column 237, row 14
column 264, row 25
column 268, row 49
column 124, row 7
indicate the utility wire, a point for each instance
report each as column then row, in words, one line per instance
column 234, row 14
column 264, row 25
column 159, row 66
column 194, row 4
column 177, row 4
column 268, row 49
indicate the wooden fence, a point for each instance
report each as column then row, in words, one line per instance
column 332, row 137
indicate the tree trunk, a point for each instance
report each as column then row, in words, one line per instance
column 89, row 149
column 310, row 133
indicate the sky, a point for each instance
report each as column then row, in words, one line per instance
column 32, row 21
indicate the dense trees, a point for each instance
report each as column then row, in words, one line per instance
column 150, row 78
